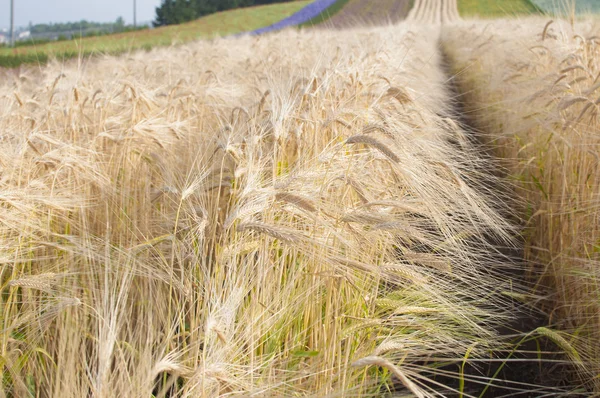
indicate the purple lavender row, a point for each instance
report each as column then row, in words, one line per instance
column 309, row 12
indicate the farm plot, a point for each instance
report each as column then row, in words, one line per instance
column 532, row 85
column 495, row 8
column 557, row 7
column 434, row 11
column 312, row 10
column 285, row 215
column 367, row 12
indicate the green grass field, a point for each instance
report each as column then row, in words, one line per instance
column 219, row 24
column 560, row 6
column 495, row 8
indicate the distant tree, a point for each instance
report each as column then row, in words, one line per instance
column 175, row 12
column 162, row 17
column 119, row 25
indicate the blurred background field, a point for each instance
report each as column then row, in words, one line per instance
column 493, row 9
column 581, row 6
column 347, row 13
column 327, row 14
column 343, row 13
column 218, row 24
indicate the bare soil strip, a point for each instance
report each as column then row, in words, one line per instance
column 368, row 12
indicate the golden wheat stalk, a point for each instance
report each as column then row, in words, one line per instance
column 378, row 361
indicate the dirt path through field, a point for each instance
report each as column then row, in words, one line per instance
column 369, row 12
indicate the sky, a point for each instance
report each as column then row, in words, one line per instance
column 44, row 11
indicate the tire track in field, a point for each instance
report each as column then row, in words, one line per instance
column 434, row 12
column 369, row 12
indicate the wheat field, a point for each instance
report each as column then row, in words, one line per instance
column 303, row 213
column 534, row 93
column 204, row 225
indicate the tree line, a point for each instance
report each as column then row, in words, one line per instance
column 83, row 25
column 172, row 12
